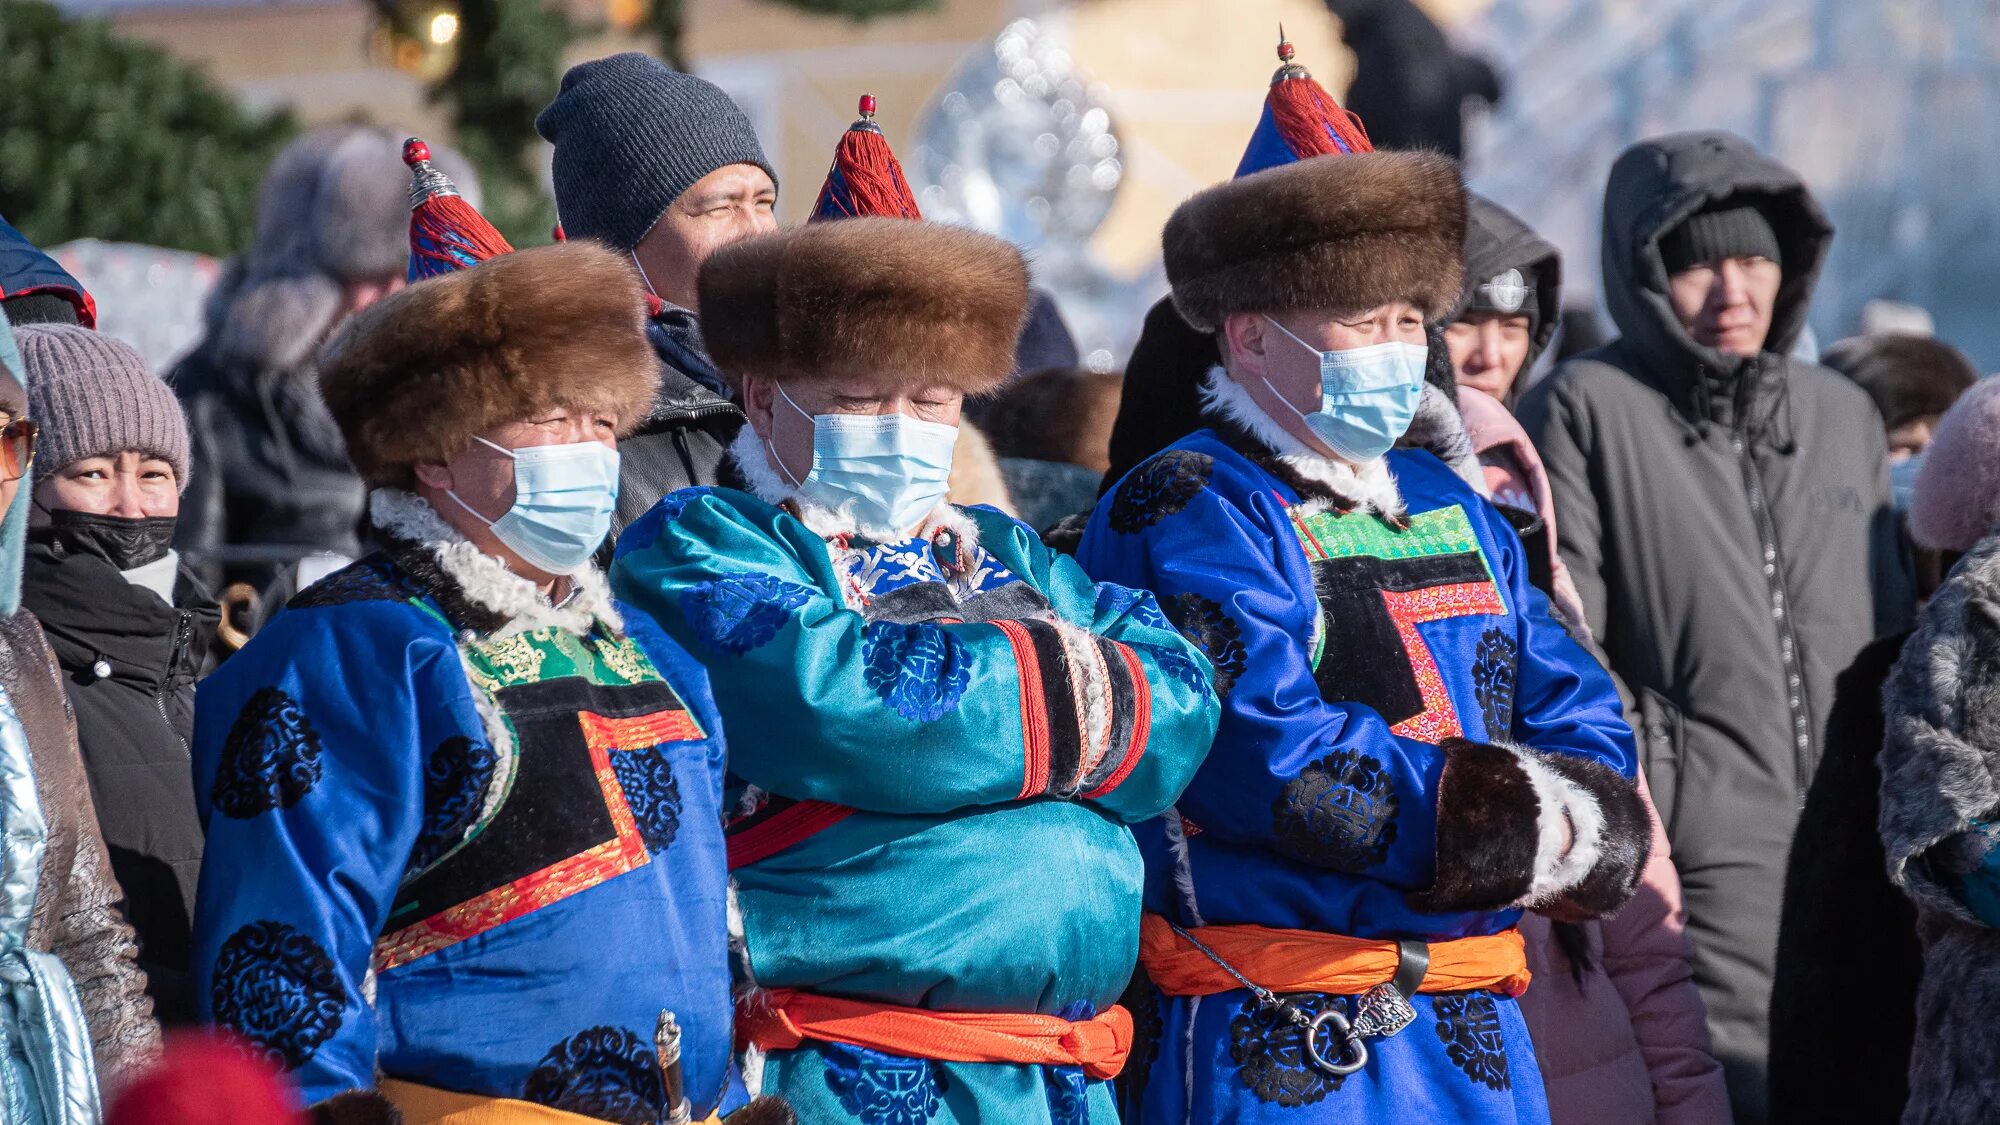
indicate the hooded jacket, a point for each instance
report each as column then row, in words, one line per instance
column 1496, row 240
column 133, row 725
column 1727, row 522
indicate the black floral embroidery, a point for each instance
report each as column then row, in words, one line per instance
column 372, row 579
column 1270, row 1052
column 1148, row 1028
column 1158, row 489
column 647, row 777
column 1494, row 666
column 1339, row 813
column 456, row 776
column 1468, row 1024
column 279, row 990
column 607, row 1073
column 270, row 759
column 1217, row 634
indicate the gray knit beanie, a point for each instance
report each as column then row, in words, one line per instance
column 631, row 135
column 93, row 396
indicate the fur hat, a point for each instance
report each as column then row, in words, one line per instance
column 412, row 377
column 1957, row 499
column 1351, row 232
column 905, row 303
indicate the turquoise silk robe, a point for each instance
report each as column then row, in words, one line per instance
column 936, row 746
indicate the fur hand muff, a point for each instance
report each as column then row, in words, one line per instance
column 764, row 1111
column 356, row 1107
column 1501, row 816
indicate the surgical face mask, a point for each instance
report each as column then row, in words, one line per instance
column 1367, row 396
column 126, row 542
column 1903, row 480
column 563, row 499
column 890, row 470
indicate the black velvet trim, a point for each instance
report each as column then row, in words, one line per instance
column 914, row 604
column 1260, row 455
column 1626, row 843
column 1488, row 830
column 417, row 561
column 1016, row 601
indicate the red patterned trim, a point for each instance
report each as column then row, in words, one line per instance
column 1439, row 719
column 783, row 830
column 1142, row 725
column 625, row 851
column 1034, row 710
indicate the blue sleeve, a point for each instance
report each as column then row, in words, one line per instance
column 1180, row 706
column 876, row 715
column 1222, row 574
column 309, row 755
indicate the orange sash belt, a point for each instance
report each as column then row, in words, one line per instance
column 1306, row 961
column 781, row 1018
column 428, row 1105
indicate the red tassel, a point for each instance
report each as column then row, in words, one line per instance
column 875, row 183
column 452, row 212
column 1310, row 120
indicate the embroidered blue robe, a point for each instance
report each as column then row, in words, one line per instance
column 477, row 857
column 968, row 725
column 1344, row 649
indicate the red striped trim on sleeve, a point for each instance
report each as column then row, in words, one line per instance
column 782, row 830
column 1142, row 724
column 1034, row 710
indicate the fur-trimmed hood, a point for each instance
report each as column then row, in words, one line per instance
column 508, row 603
column 1349, row 232
column 907, row 305
column 415, row 375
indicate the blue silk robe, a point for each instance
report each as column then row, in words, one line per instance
column 924, row 702
column 1344, row 650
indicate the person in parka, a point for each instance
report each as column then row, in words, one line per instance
column 270, row 480
column 129, row 624
column 1940, row 818
column 1512, row 302
column 73, row 1008
column 1726, row 519
column 665, row 169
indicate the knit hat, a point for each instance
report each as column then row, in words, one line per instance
column 631, row 135
column 1957, row 498
column 1724, row 229
column 94, row 397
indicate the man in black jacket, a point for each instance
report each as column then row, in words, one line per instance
column 1725, row 515
column 663, row 167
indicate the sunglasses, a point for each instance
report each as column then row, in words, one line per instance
column 17, row 448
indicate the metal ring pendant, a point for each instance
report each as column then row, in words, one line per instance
column 1353, row 1053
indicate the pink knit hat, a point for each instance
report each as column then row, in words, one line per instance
column 1957, row 499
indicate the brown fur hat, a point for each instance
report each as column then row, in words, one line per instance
column 412, row 377
column 1348, row 232
column 907, row 304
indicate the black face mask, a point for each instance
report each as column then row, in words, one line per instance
column 122, row 541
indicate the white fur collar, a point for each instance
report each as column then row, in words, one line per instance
column 1371, row 486
column 485, row 580
column 830, row 523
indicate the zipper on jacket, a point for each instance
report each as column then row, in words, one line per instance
column 1781, row 613
column 181, row 637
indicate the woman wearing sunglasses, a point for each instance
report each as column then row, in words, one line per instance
column 65, row 950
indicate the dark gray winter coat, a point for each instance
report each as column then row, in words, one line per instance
column 1940, row 772
column 1727, row 523
column 682, row 443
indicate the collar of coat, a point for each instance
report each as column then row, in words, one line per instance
column 1321, row 482
column 477, row 590
column 834, row 524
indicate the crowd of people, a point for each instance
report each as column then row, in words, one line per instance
column 699, row 670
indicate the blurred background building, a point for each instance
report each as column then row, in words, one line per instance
column 1075, row 128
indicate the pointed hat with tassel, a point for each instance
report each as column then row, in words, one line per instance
column 865, row 178
column 446, row 232
column 1300, row 120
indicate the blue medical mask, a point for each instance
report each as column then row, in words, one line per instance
column 890, row 470
column 1903, row 480
column 1367, row 396
column 563, row 499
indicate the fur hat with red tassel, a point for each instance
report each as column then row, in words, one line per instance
column 865, row 179
column 447, row 233
column 1300, row 120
